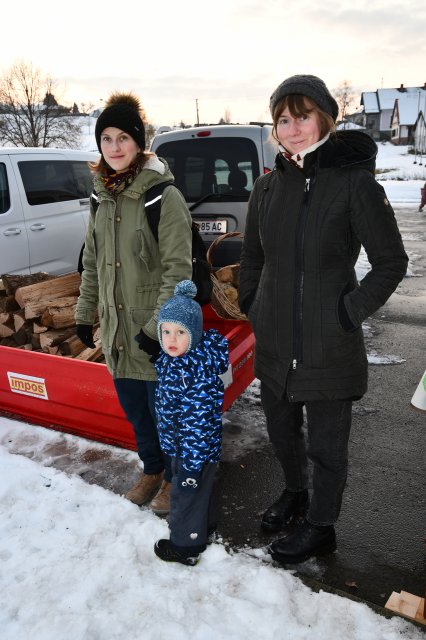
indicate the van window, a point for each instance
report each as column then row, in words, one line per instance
column 224, row 166
column 47, row 181
column 4, row 190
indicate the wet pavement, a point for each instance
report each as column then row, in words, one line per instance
column 382, row 524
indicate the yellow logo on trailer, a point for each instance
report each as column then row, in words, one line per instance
column 27, row 385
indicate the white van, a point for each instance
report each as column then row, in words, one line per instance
column 215, row 168
column 44, row 208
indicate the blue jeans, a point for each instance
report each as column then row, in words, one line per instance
column 137, row 400
column 329, row 425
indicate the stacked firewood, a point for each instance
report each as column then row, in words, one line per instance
column 37, row 314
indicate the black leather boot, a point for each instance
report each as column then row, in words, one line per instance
column 290, row 505
column 307, row 541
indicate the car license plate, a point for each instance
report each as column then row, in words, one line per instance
column 212, row 226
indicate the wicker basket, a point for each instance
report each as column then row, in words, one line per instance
column 220, row 303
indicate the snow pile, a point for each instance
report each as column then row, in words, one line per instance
column 78, row 562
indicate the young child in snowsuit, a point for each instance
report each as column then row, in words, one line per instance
column 188, row 403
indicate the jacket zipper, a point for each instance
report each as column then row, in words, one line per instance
column 300, row 276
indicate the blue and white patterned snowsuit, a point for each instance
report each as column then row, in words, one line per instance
column 188, row 401
column 188, row 404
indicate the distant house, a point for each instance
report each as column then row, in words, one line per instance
column 379, row 108
column 404, row 117
column 419, row 134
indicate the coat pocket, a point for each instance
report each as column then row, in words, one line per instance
column 344, row 321
column 144, row 249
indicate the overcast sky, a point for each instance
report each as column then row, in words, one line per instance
column 228, row 54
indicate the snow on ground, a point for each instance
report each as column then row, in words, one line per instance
column 77, row 562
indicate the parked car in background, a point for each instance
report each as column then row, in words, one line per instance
column 215, row 168
column 44, row 209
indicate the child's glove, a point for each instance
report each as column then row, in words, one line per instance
column 188, row 480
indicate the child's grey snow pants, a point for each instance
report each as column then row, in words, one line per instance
column 192, row 513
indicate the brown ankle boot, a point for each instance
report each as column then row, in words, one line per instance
column 161, row 503
column 147, row 487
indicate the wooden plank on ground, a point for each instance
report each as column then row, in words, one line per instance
column 407, row 605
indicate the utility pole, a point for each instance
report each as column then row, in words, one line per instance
column 196, row 106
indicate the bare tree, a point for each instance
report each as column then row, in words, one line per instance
column 31, row 115
column 149, row 133
column 345, row 98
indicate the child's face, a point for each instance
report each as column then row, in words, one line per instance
column 175, row 338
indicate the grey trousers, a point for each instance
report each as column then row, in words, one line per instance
column 329, row 425
column 192, row 513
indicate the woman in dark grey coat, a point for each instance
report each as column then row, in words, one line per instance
column 306, row 222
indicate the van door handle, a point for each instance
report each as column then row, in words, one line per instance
column 84, row 201
column 11, row 232
column 37, row 227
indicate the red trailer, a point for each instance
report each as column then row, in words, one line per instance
column 79, row 397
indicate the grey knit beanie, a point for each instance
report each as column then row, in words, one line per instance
column 310, row 86
column 182, row 309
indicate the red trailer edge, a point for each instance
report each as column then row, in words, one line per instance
column 78, row 397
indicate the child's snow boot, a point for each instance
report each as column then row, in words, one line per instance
column 166, row 551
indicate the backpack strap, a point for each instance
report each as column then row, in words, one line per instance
column 153, row 206
column 94, row 200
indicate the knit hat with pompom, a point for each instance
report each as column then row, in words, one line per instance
column 123, row 111
column 182, row 309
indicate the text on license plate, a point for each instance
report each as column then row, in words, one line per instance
column 212, row 226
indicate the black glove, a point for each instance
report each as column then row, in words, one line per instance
column 188, row 480
column 147, row 344
column 85, row 333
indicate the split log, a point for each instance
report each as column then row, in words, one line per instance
column 23, row 336
column 5, row 317
column 37, row 308
column 91, row 355
column 19, row 319
column 26, row 347
column 8, row 303
column 60, row 315
column 71, row 346
column 38, row 328
column 54, row 337
column 52, row 350
column 35, row 341
column 12, row 282
column 7, row 329
column 50, row 290
column 7, row 342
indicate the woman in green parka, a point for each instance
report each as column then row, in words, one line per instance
column 306, row 222
column 128, row 276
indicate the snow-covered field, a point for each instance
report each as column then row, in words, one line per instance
column 77, row 560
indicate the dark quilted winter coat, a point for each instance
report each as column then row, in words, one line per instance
column 188, row 401
column 303, row 236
